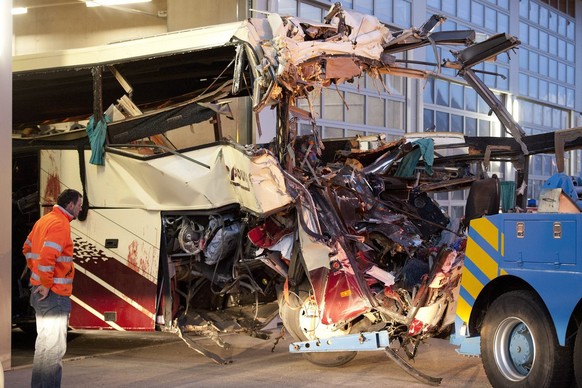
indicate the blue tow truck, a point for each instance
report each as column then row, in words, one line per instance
column 520, row 302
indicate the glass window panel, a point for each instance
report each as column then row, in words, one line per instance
column 470, row 126
column 477, row 11
column 562, row 48
column 561, row 72
column 402, row 13
column 333, row 105
column 457, row 96
column 543, row 41
column 458, row 195
column 470, row 100
column 442, row 92
column 428, row 118
column 553, row 45
column 556, row 119
column 396, row 114
column 533, row 36
column 384, row 10
column 442, row 122
column 457, row 212
column 534, row 12
column 547, row 165
column 523, row 32
column 457, row 123
column 562, row 25
column 533, row 87
column 305, row 129
column 288, row 7
column 537, row 165
column 332, row 132
column 544, row 65
column 524, row 8
column 450, row 7
column 355, row 109
column 570, row 50
column 484, row 128
column 464, row 10
column 395, row 85
column 354, row 133
column 524, row 59
column 376, row 114
column 495, row 129
column 502, row 22
column 553, row 69
column 561, row 95
column 565, row 118
column 570, row 98
column 570, row 30
column 503, row 83
column 534, row 62
column 544, row 16
column 553, row 22
column 537, row 114
column 490, row 78
column 543, row 90
column 525, row 111
column 364, row 6
column 449, row 26
column 310, row 12
column 547, row 120
column 436, row 4
column 428, row 94
column 490, row 19
column 503, row 4
column 483, row 107
column 552, row 92
column 443, row 196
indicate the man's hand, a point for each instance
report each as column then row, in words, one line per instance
column 43, row 291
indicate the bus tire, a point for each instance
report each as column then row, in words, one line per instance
column 299, row 317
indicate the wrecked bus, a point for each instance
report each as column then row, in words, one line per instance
column 190, row 225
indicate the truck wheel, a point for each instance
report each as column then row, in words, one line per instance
column 519, row 345
column 578, row 357
column 301, row 320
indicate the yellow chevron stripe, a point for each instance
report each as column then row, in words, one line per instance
column 481, row 259
column 463, row 309
column 502, row 244
column 471, row 283
column 487, row 230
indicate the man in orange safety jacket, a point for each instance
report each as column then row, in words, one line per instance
column 49, row 255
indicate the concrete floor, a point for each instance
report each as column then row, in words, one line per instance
column 122, row 359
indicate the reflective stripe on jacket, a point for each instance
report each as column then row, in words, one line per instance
column 49, row 252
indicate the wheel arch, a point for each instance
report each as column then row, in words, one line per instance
column 493, row 290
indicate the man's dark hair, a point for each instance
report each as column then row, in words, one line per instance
column 68, row 195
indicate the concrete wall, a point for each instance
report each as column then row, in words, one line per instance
column 5, row 190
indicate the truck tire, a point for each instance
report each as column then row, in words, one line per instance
column 578, row 357
column 300, row 318
column 519, row 345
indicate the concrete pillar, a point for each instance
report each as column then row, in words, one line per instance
column 5, row 189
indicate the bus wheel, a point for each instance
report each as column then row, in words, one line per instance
column 519, row 345
column 301, row 319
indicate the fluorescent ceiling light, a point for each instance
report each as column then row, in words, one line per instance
column 19, row 10
column 98, row 3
